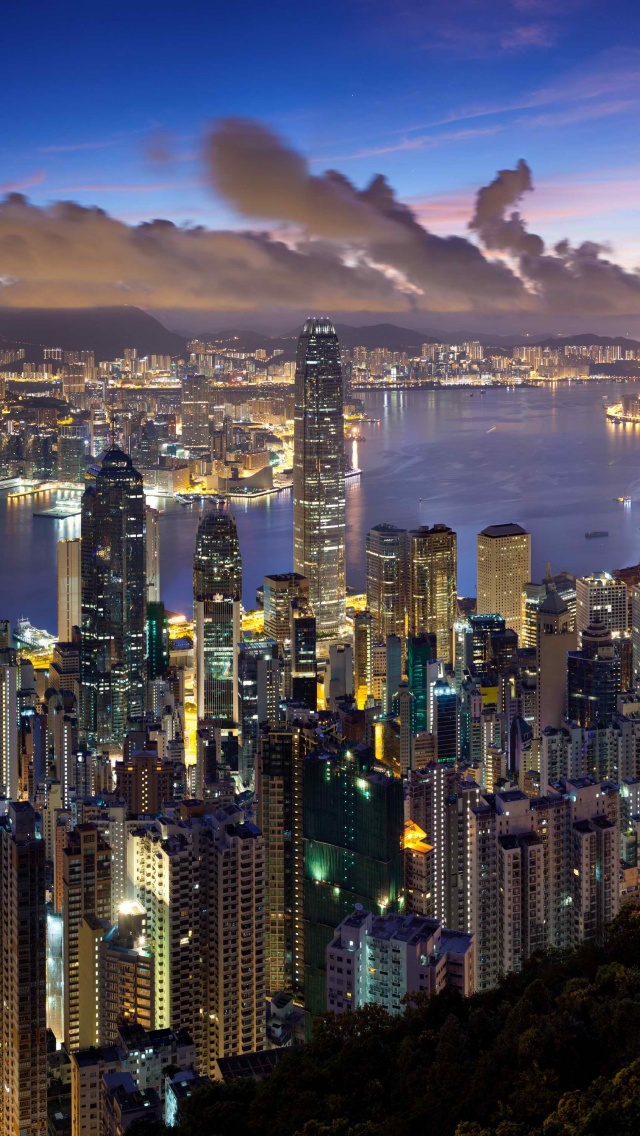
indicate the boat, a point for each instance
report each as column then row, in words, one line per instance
column 594, row 533
column 623, row 500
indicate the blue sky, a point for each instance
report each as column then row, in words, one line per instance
column 107, row 105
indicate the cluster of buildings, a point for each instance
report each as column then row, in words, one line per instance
column 208, row 840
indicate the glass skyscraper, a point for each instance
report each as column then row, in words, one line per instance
column 318, row 474
column 217, row 587
column 113, row 600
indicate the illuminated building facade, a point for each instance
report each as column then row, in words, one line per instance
column 23, row 1024
column 69, row 588
column 86, row 890
column 353, row 851
column 196, row 401
column 113, row 600
column 280, row 589
column 217, row 587
column 433, row 584
column 318, row 474
column 386, row 579
column 504, row 567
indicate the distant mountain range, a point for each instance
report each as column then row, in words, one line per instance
column 107, row 331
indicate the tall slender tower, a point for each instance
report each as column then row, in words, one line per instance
column 386, row 579
column 113, row 600
column 504, row 567
column 318, row 474
column 217, row 587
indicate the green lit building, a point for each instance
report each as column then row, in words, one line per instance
column 353, row 824
column 157, row 627
column 421, row 649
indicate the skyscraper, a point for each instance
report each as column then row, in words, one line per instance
column 113, row 600
column 386, row 579
column 69, row 588
column 23, row 1024
column 504, row 567
column 593, row 677
column 433, row 584
column 86, row 874
column 8, row 723
column 196, row 398
column 152, row 553
column 304, row 678
column 279, row 590
column 555, row 637
column 217, row 587
column 318, row 474
column 601, row 597
column 353, row 833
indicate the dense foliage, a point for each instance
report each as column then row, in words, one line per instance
column 554, row 1051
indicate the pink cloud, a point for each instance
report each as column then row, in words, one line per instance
column 27, row 182
column 528, row 35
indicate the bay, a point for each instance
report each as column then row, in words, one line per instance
column 545, row 457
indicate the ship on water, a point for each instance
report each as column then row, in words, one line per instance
column 595, row 533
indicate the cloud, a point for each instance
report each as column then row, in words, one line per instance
column 423, row 142
column 528, row 35
column 339, row 247
column 586, row 113
column 28, row 182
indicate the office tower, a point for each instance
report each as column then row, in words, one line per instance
column 8, row 723
column 433, row 584
column 86, row 890
column 338, row 679
column 302, row 635
column 5, row 633
column 504, row 567
column 393, row 672
column 196, row 403
column 386, row 579
column 71, row 464
column 318, row 474
column 250, row 654
column 113, row 600
column 69, row 588
column 532, row 597
column 152, row 553
column 217, row 627
column 156, row 641
column 593, row 677
column 600, row 597
column 280, row 589
column 482, row 628
column 279, row 796
column 362, row 656
column 23, row 1100
column 445, row 722
column 379, row 959
column 555, row 637
column 421, row 649
column 217, row 588
column 353, row 834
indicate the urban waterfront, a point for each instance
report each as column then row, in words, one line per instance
column 545, row 457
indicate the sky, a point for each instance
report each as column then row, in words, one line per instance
column 115, row 106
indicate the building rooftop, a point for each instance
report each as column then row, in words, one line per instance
column 257, row 1065
column 504, row 530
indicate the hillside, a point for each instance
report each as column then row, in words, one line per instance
column 555, row 1051
column 106, row 331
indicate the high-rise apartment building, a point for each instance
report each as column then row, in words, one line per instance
column 279, row 796
column 504, row 567
column 23, row 953
column 433, row 584
column 86, row 890
column 387, row 579
column 201, row 882
column 601, row 597
column 69, row 588
column 256, row 701
column 280, row 589
column 318, row 474
column 71, row 463
column 363, row 656
column 9, row 758
column 113, row 600
column 379, row 959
